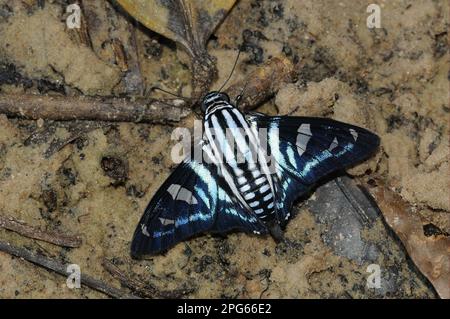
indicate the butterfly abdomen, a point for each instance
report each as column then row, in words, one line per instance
column 256, row 190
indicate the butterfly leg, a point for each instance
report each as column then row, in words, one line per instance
column 278, row 235
column 276, row 231
column 241, row 95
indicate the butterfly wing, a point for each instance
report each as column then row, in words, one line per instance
column 306, row 149
column 193, row 200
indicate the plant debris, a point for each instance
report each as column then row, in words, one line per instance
column 23, row 229
column 431, row 254
column 190, row 24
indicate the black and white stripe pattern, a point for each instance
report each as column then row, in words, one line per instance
column 237, row 151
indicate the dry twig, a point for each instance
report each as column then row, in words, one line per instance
column 99, row 109
column 144, row 290
column 256, row 88
column 23, row 229
column 61, row 269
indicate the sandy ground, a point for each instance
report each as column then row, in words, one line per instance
column 392, row 80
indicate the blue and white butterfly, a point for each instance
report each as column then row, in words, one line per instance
column 208, row 195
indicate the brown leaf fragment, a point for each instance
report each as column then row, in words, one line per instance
column 119, row 52
column 187, row 22
column 430, row 254
column 190, row 24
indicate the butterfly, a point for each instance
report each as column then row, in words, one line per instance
column 251, row 170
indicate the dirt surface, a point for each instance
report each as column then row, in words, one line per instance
column 392, row 80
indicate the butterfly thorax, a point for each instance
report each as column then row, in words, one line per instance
column 237, row 151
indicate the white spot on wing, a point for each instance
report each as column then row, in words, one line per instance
column 304, row 134
column 144, row 230
column 166, row 221
column 173, row 190
column 333, row 144
column 354, row 134
column 181, row 193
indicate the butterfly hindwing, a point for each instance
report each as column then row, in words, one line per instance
column 193, row 200
column 307, row 149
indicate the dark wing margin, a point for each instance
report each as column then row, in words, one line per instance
column 193, row 200
column 306, row 149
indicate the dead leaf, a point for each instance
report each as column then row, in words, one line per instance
column 430, row 254
column 189, row 23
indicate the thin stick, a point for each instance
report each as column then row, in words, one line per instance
column 261, row 85
column 61, row 269
column 144, row 290
column 23, row 229
column 98, row 109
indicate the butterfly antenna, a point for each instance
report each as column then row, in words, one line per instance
column 232, row 70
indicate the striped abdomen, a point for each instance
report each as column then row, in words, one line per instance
column 230, row 136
